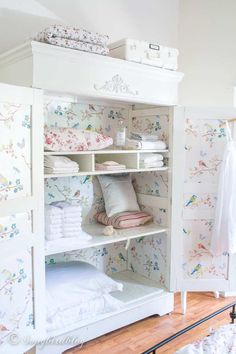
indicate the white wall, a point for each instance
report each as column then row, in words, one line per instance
column 153, row 20
column 207, row 43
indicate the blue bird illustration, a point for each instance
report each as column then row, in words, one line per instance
column 196, row 268
column 191, row 200
column 22, row 144
column 87, row 178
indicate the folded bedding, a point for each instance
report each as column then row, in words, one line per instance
column 149, row 158
column 151, row 164
column 124, row 220
column 78, row 45
column 143, row 136
column 59, row 162
column 109, row 166
column 77, row 34
column 221, row 341
column 77, row 291
column 145, row 145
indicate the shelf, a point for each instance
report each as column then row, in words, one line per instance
column 138, row 292
column 104, row 151
column 135, row 287
column 97, row 173
column 98, row 239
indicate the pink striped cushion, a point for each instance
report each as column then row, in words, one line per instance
column 124, row 220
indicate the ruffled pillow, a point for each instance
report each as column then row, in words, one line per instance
column 64, row 139
column 124, row 220
column 97, row 141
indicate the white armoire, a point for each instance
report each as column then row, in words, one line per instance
column 43, row 85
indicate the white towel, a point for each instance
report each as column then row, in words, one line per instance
column 152, row 164
column 145, row 145
column 143, row 136
column 148, row 158
column 53, row 236
column 59, row 162
column 71, row 228
column 51, row 210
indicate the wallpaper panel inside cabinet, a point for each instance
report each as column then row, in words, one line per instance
column 146, row 256
column 204, row 147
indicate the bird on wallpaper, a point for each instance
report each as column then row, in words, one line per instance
column 201, row 246
column 196, row 268
column 3, row 180
column 87, row 178
column 191, row 200
column 121, row 257
column 89, row 127
column 22, row 144
column 77, row 194
column 202, row 163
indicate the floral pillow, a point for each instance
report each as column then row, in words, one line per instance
column 72, row 139
column 64, row 139
column 97, row 141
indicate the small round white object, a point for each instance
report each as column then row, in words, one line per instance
column 108, row 230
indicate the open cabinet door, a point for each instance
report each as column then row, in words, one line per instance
column 21, row 221
column 198, row 145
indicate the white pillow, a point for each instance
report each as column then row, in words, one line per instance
column 118, row 193
column 70, row 283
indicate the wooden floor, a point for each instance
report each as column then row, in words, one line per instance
column 143, row 334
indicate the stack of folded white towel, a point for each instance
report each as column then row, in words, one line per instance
column 59, row 164
column 63, row 220
column 151, row 161
column 144, row 142
column 109, row 166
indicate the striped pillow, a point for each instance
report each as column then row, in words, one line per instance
column 124, row 220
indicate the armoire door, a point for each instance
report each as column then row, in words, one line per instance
column 199, row 139
column 21, row 220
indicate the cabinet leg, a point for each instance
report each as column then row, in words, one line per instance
column 217, row 294
column 183, row 302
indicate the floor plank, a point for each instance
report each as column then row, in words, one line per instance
column 143, row 334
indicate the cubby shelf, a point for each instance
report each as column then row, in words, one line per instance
column 87, row 160
column 95, row 173
column 98, row 239
column 104, row 151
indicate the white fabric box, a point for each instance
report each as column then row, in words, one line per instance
column 145, row 53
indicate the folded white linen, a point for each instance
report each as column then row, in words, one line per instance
column 72, row 220
column 61, row 169
column 51, row 210
column 69, row 229
column 152, row 164
column 148, row 158
column 49, row 220
column 51, row 171
column 59, row 162
column 51, row 236
column 143, row 136
column 65, row 206
column 53, row 228
column 145, row 145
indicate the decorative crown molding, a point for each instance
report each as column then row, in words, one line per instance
column 116, row 85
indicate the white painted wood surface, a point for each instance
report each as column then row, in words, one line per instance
column 33, row 241
column 66, row 70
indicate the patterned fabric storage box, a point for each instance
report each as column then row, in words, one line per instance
column 145, row 53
